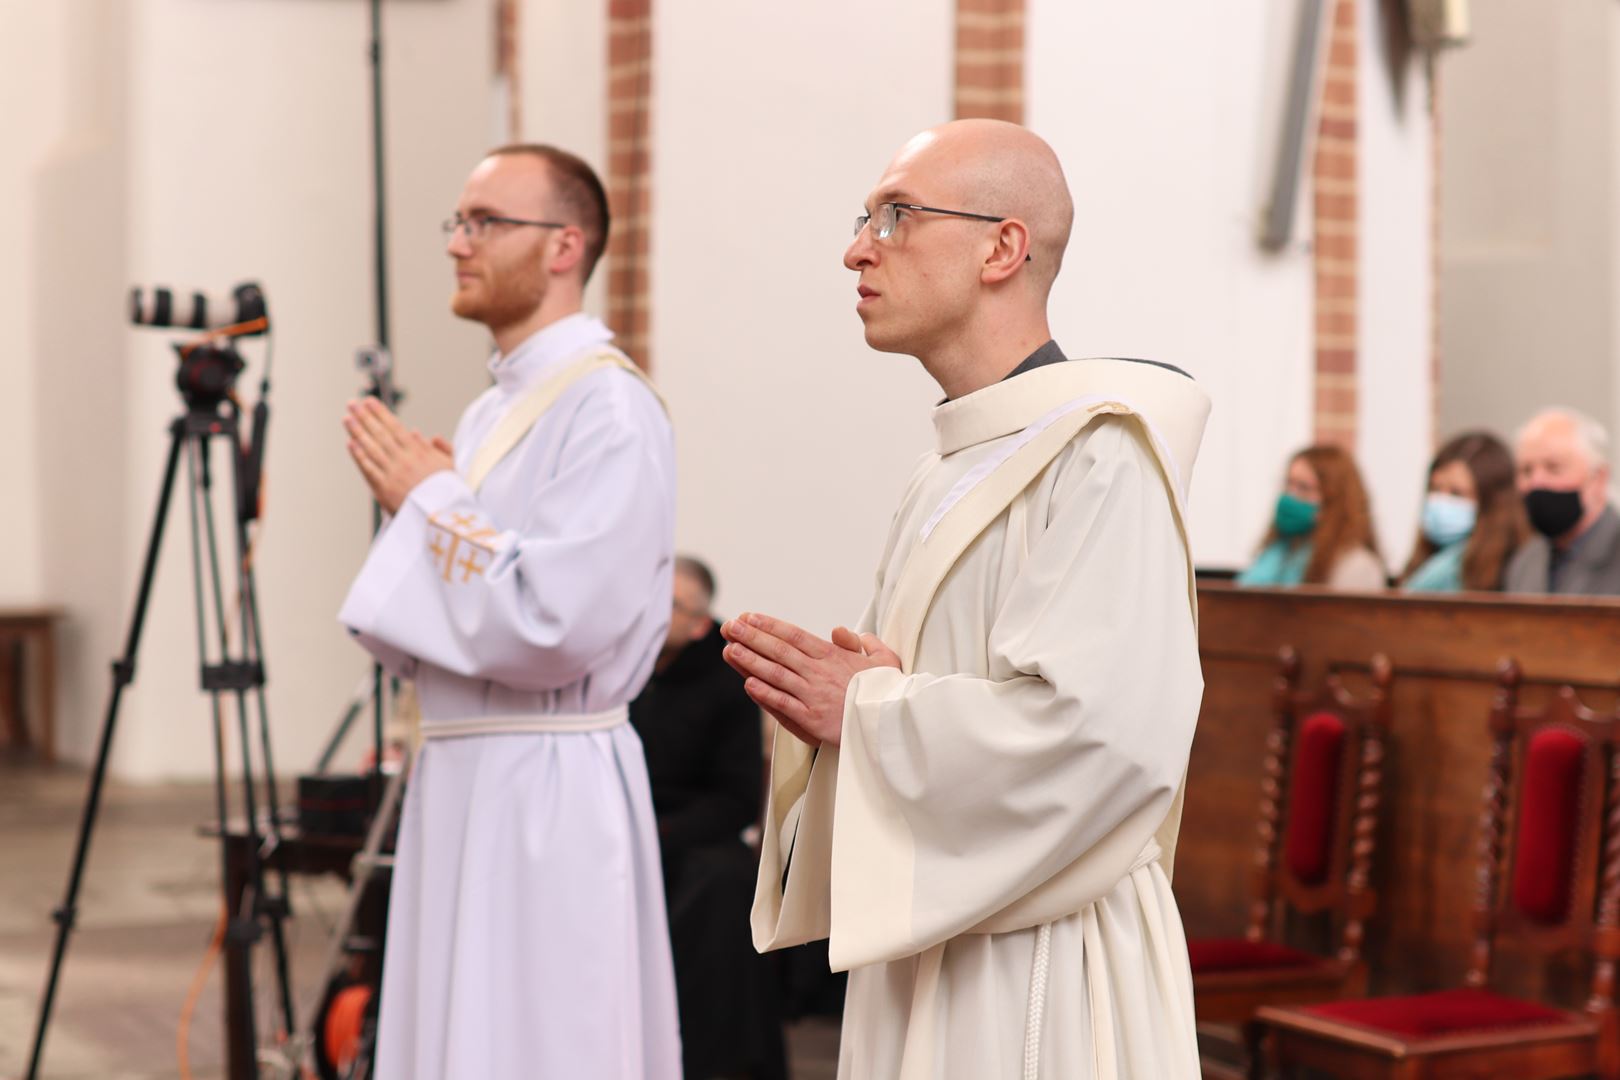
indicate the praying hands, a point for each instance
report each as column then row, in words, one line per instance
column 392, row 457
column 798, row 678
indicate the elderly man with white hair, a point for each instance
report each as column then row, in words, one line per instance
column 1563, row 475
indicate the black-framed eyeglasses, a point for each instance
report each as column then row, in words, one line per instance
column 887, row 216
column 477, row 225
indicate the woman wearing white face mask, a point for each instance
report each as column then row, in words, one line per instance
column 1472, row 518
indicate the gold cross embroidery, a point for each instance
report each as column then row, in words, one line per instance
column 470, row 566
column 458, row 530
column 449, row 557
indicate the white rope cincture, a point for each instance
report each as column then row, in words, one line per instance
column 527, row 724
column 1037, row 1001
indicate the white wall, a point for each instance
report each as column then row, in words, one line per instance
column 794, row 439
column 73, row 263
column 233, row 143
column 33, row 38
column 1167, row 128
column 1530, row 221
column 1395, row 435
column 562, row 47
column 768, row 130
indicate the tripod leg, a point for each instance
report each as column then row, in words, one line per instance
column 366, row 866
column 275, row 908
column 238, row 877
column 123, row 675
column 352, row 710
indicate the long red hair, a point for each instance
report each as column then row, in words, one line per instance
column 1344, row 519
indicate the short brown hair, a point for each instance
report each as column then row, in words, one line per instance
column 579, row 193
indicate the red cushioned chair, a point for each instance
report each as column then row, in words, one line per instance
column 1319, row 807
column 1554, row 782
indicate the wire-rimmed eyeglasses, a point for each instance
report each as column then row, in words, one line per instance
column 477, row 225
column 887, row 216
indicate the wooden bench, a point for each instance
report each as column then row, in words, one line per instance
column 28, row 679
column 1445, row 652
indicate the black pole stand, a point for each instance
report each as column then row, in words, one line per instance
column 192, row 435
column 381, row 353
column 376, row 361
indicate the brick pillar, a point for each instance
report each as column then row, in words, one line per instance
column 990, row 59
column 629, row 172
column 1336, row 229
column 507, row 66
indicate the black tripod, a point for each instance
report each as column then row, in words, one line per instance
column 207, row 371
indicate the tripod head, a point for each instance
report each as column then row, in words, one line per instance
column 209, row 366
column 207, row 373
column 210, row 363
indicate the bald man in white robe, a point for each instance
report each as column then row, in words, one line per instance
column 975, row 795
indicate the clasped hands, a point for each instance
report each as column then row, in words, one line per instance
column 800, row 679
column 392, row 458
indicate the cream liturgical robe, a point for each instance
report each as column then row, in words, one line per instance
column 527, row 593
column 989, row 850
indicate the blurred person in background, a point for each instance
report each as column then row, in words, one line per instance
column 1562, row 457
column 1473, row 519
column 1321, row 531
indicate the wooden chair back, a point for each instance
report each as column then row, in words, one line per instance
column 1549, row 835
column 1320, row 802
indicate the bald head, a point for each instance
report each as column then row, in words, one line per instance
column 1561, row 451
column 993, row 167
column 962, row 238
column 1583, row 436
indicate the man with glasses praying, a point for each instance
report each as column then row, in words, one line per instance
column 975, row 795
column 523, row 582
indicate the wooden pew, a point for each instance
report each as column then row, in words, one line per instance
column 1445, row 653
column 28, row 662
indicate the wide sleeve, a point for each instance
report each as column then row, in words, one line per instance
column 535, row 593
column 791, row 893
column 960, row 797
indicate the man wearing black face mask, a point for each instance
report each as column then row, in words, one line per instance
column 1563, row 475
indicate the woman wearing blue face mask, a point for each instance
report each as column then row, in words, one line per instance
column 1321, row 529
column 1472, row 518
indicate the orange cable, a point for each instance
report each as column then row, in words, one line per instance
column 198, row 981
column 252, row 326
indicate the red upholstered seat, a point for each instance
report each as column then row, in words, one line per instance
column 1549, row 816
column 1313, row 797
column 1447, row 1012
column 1237, row 954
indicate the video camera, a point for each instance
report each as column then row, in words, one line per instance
column 210, row 364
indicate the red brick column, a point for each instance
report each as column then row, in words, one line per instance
column 629, row 172
column 508, row 69
column 990, row 59
column 1336, row 230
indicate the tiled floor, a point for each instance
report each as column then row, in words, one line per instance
column 147, row 908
